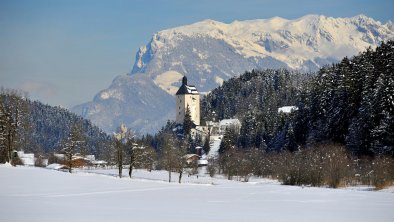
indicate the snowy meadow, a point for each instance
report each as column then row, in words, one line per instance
column 36, row 194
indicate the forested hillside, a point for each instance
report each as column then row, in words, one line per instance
column 254, row 98
column 51, row 124
column 35, row 127
column 349, row 103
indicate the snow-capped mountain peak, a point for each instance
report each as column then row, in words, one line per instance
column 293, row 42
column 209, row 52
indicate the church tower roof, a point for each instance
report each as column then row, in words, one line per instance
column 185, row 88
column 184, row 80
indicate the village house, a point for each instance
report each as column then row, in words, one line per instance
column 191, row 158
column 227, row 124
column 287, row 109
column 28, row 159
column 79, row 160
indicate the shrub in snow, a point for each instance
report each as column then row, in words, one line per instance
column 382, row 173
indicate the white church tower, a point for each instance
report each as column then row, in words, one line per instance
column 187, row 95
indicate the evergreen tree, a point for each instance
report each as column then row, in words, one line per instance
column 351, row 103
column 3, row 132
column 14, row 116
column 187, row 122
column 206, row 147
column 229, row 140
column 348, row 103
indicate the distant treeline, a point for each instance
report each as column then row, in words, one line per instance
column 35, row 127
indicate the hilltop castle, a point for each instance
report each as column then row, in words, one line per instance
column 187, row 96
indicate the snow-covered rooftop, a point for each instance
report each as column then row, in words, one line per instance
column 188, row 156
column 228, row 122
column 27, row 158
column 287, row 109
column 202, row 162
column 191, row 89
column 59, row 156
column 186, row 89
column 55, row 166
column 90, row 157
column 98, row 162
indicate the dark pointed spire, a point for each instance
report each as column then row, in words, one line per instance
column 184, row 80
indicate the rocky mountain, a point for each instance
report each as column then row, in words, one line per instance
column 209, row 52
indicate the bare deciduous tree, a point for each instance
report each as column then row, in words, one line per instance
column 173, row 155
column 120, row 138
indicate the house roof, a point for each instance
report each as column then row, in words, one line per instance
column 27, row 158
column 287, row 109
column 188, row 156
column 202, row 162
column 228, row 122
column 59, row 156
column 99, row 162
column 55, row 166
column 186, row 89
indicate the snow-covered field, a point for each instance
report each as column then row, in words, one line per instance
column 34, row 194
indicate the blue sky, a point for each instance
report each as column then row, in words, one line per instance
column 64, row 52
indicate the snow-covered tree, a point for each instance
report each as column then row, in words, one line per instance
column 72, row 145
column 14, row 118
column 3, row 132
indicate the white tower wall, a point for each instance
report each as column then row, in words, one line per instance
column 182, row 101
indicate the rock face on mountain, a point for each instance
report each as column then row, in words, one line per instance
column 133, row 100
column 209, row 52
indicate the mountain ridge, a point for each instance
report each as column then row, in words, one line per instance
column 209, row 52
column 252, row 30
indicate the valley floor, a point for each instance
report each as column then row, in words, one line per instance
column 35, row 194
